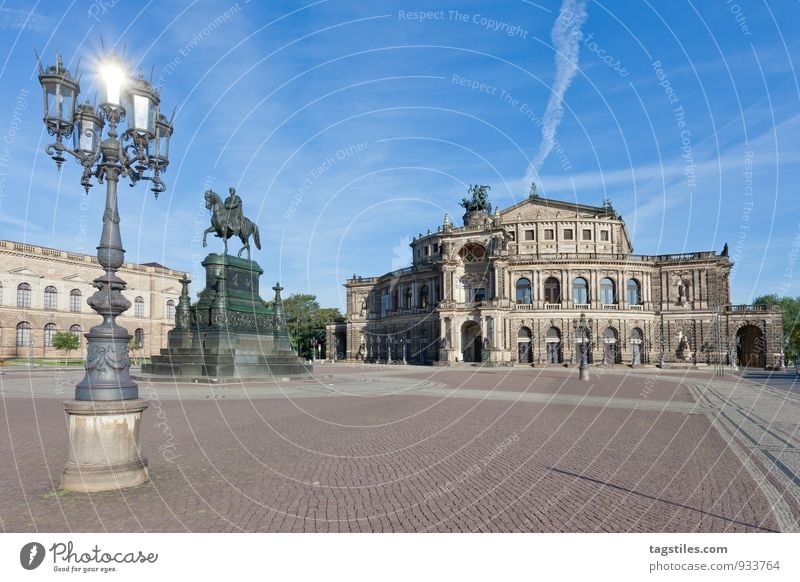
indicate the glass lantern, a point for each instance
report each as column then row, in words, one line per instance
column 88, row 129
column 159, row 147
column 114, row 74
column 60, row 92
column 141, row 104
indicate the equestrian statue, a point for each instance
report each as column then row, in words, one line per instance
column 228, row 219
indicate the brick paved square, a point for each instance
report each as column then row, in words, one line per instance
column 406, row 449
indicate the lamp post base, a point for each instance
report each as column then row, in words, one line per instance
column 105, row 445
column 583, row 373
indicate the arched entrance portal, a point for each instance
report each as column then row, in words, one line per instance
column 553, row 342
column 751, row 348
column 524, row 355
column 471, row 342
column 610, row 350
column 636, row 346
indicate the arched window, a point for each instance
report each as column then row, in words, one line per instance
column 423, row 296
column 524, row 291
column 170, row 309
column 607, row 294
column 76, row 330
column 472, row 252
column 395, row 301
column 23, row 295
column 138, row 307
column 75, row 297
column 409, row 303
column 23, row 334
column 633, row 292
column 552, row 290
column 580, row 290
column 138, row 335
column 49, row 331
column 50, row 297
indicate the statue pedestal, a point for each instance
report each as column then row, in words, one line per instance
column 230, row 332
column 105, row 447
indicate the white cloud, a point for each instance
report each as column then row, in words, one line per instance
column 565, row 36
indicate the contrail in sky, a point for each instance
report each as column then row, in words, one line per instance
column 566, row 40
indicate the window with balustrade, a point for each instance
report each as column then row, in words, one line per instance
column 552, row 290
column 607, row 291
column 580, row 291
column 634, row 295
column 524, row 291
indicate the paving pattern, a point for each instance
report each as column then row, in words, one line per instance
column 388, row 449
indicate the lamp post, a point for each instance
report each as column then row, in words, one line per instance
column 109, row 457
column 580, row 327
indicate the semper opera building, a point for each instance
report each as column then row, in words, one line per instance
column 511, row 287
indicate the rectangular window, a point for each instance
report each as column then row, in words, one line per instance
column 435, row 248
column 568, row 234
column 549, row 234
column 512, row 236
column 427, row 250
column 529, row 235
column 604, row 235
column 587, row 234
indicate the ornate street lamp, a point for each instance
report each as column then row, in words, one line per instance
column 580, row 326
column 141, row 152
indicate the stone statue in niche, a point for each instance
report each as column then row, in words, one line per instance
column 682, row 351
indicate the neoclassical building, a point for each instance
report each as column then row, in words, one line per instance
column 510, row 288
column 44, row 290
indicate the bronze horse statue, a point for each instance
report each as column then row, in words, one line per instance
column 220, row 224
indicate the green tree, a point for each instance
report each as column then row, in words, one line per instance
column 134, row 346
column 790, row 306
column 306, row 321
column 67, row 341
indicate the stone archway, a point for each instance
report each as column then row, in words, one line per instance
column 636, row 346
column 751, row 346
column 611, row 352
column 554, row 352
column 471, row 341
column 524, row 351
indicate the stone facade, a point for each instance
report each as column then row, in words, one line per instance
column 510, row 287
column 46, row 289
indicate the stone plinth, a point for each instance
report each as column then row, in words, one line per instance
column 105, row 448
column 229, row 332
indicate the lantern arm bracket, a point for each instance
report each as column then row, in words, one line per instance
column 56, row 151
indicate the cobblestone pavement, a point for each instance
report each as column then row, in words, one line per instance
column 371, row 449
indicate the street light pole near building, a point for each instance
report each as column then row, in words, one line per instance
column 580, row 327
column 139, row 152
column 143, row 147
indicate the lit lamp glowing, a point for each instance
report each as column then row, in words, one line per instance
column 106, row 455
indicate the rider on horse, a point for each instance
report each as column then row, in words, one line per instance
column 233, row 205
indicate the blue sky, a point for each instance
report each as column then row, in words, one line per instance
column 349, row 128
